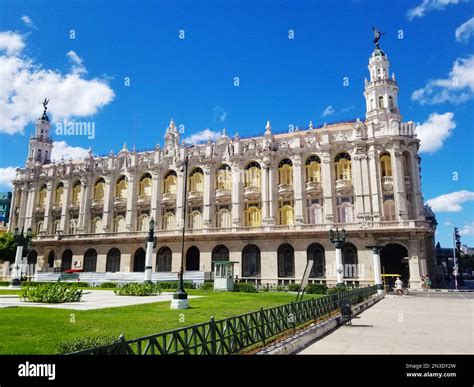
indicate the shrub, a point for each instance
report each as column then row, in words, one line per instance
column 245, row 287
column 293, row 287
column 4, row 283
column 281, row 288
column 316, row 289
column 52, row 293
column 65, row 347
column 107, row 285
column 207, row 286
column 138, row 289
column 175, row 285
column 337, row 289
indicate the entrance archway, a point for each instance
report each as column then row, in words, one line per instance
column 66, row 262
column 393, row 260
column 192, row 259
column 139, row 260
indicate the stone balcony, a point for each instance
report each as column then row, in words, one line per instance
column 343, row 186
column 168, row 198
column 285, row 190
column 56, row 207
column 97, row 203
column 313, row 188
column 252, row 193
column 387, row 184
column 120, row 202
column 143, row 200
column 39, row 209
column 194, row 197
column 223, row 195
column 74, row 205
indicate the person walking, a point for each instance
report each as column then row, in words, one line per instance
column 399, row 286
column 423, row 283
column 427, row 282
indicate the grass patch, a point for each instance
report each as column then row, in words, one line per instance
column 32, row 330
column 10, row 291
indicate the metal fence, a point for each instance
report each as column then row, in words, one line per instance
column 235, row 334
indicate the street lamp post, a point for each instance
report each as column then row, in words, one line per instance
column 180, row 297
column 22, row 242
column 338, row 237
column 149, row 250
column 377, row 268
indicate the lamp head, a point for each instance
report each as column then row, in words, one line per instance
column 151, row 225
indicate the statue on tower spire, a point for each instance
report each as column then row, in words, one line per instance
column 45, row 107
column 377, row 35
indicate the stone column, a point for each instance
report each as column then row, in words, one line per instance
column 377, row 269
column 416, row 189
column 264, row 192
column 399, row 186
column 375, row 184
column 108, row 210
column 131, row 212
column 30, row 208
column 47, row 207
column 156, row 198
column 84, row 206
column 236, row 195
column 63, row 226
column 179, row 200
column 272, row 195
column 298, row 189
column 23, row 205
column 207, row 206
column 328, row 184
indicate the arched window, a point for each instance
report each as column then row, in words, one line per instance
column 389, row 210
column 316, row 253
column 224, row 218
column 220, row 253
column 163, row 259
column 169, row 221
column 349, row 260
column 170, row 183
column 121, row 187
column 253, row 216
column 315, row 212
column 196, row 180
column 42, row 196
column 195, row 220
column 90, row 261
column 343, row 166
column 38, row 155
column 99, row 189
column 287, row 215
column 381, row 102
column 390, row 101
column 112, row 263
column 250, row 261
column 145, row 185
column 313, row 169
column 252, row 175
column 139, row 260
column 224, row 177
column 385, row 165
column 72, row 226
column 58, row 195
column 46, row 156
column 192, row 259
column 76, row 193
column 285, row 172
column 143, row 222
column 97, row 225
column 286, row 261
column 345, row 212
column 119, row 224
column 66, row 261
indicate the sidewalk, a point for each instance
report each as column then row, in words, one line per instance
column 429, row 323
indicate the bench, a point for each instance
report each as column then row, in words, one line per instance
column 346, row 311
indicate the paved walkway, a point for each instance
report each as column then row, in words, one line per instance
column 431, row 323
column 92, row 299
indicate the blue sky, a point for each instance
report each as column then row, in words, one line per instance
column 286, row 81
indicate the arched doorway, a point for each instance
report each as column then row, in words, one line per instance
column 139, row 260
column 286, row 261
column 32, row 261
column 113, row 260
column 250, row 261
column 316, row 252
column 90, row 261
column 51, row 259
column 163, row 259
column 192, row 259
column 220, row 253
column 66, row 261
column 393, row 260
column 349, row 260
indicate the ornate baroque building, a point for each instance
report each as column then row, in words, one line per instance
column 265, row 202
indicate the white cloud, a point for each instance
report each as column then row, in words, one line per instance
column 62, row 149
column 464, row 32
column 434, row 131
column 429, row 5
column 467, row 230
column 201, row 136
column 451, row 202
column 11, row 42
column 347, row 109
column 24, row 83
column 77, row 63
column 7, row 174
column 28, row 22
column 458, row 88
column 328, row 111
column 219, row 114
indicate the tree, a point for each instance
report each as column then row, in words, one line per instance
column 7, row 247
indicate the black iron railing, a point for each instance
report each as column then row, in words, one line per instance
column 234, row 334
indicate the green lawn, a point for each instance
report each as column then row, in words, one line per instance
column 9, row 291
column 30, row 330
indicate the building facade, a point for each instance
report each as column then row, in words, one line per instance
column 265, row 202
column 5, row 205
